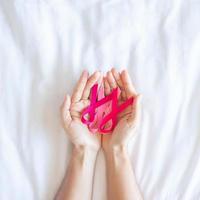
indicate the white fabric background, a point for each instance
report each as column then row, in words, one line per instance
column 44, row 46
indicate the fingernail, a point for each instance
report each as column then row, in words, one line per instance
column 85, row 72
column 123, row 70
column 97, row 73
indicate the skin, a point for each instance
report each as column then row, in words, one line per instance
column 121, row 182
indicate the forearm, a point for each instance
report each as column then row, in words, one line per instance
column 120, row 176
column 79, row 177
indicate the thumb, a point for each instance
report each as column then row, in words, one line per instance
column 136, row 110
column 65, row 111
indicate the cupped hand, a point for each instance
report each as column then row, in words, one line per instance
column 71, row 109
column 128, row 118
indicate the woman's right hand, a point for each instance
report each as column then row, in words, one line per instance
column 127, row 119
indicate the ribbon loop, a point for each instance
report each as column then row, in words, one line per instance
column 103, row 109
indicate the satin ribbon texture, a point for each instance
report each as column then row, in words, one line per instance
column 101, row 115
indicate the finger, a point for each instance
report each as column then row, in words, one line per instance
column 117, row 78
column 65, row 111
column 136, row 110
column 78, row 91
column 90, row 82
column 111, row 80
column 127, row 83
column 107, row 88
column 100, row 80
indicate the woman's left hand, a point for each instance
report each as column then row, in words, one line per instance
column 78, row 133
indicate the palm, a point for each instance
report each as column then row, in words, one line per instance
column 125, row 113
column 86, row 136
column 78, row 133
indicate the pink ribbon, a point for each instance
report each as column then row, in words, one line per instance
column 102, row 110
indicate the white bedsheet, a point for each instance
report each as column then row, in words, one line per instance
column 44, row 46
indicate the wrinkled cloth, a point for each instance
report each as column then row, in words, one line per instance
column 45, row 45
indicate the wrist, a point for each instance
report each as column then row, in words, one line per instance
column 85, row 149
column 116, row 155
column 115, row 149
column 82, row 157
